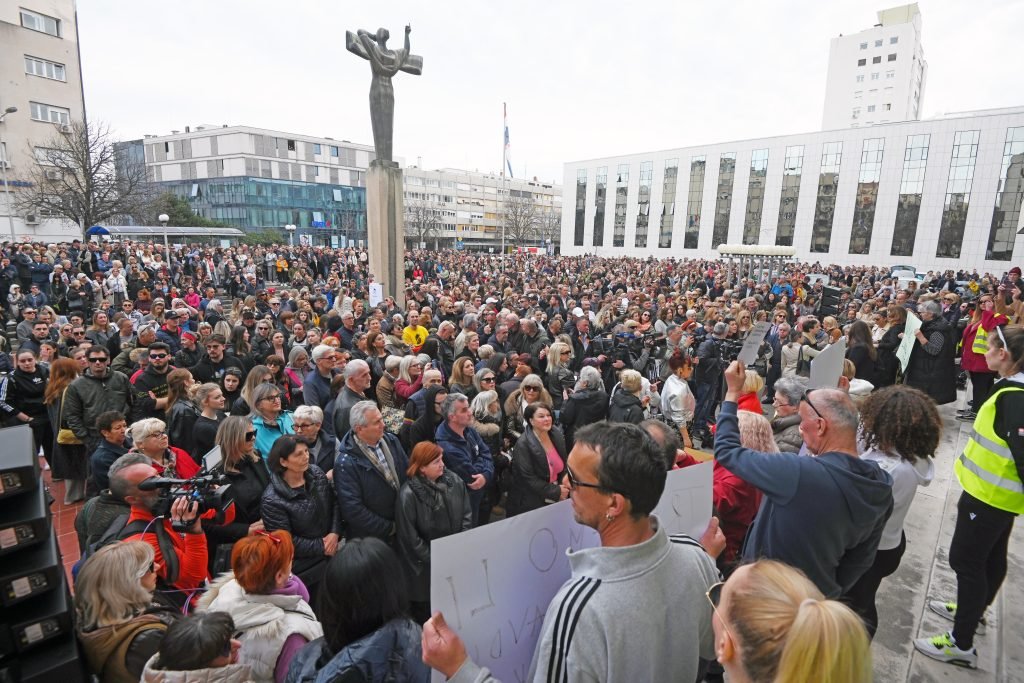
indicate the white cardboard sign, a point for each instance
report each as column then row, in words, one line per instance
column 748, row 354
column 827, row 366
column 376, row 294
column 494, row 583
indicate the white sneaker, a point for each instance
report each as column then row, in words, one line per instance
column 948, row 610
column 943, row 648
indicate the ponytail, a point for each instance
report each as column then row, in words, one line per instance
column 826, row 643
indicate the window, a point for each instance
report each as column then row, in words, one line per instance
column 44, row 112
column 860, row 78
column 856, row 112
column 40, row 22
column 858, row 94
column 874, row 76
column 44, row 68
column 621, row 199
column 1009, row 199
column 915, row 159
column 871, row 107
column 668, row 203
column 958, row 193
column 861, row 62
column 791, row 171
column 643, row 204
column 867, row 196
column 695, row 202
column 316, row 148
column 334, row 151
column 893, row 41
column 876, row 60
column 291, row 145
column 888, row 106
column 723, row 203
column 581, row 206
column 863, row 46
column 600, row 197
column 891, row 73
column 892, row 57
column 755, row 196
column 824, row 208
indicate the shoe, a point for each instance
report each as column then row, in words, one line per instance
column 948, row 610
column 943, row 648
column 967, row 417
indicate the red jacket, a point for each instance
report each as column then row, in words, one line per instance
column 969, row 360
column 750, row 402
column 190, row 549
column 737, row 503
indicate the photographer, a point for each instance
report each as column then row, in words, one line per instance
column 182, row 557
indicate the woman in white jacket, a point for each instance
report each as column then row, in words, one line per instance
column 269, row 605
column 677, row 400
column 115, row 285
column 900, row 429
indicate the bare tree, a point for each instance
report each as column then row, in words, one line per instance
column 422, row 221
column 521, row 218
column 550, row 225
column 83, row 176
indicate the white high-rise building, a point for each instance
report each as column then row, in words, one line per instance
column 877, row 75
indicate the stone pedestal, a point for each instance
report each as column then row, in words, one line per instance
column 385, row 227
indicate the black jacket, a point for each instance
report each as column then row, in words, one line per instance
column 424, row 427
column 366, row 499
column 181, row 423
column 531, row 486
column 23, row 392
column 101, row 460
column 247, row 487
column 582, row 408
column 429, row 510
column 343, row 407
column 144, row 404
column 625, row 407
column 935, row 375
column 309, row 513
column 208, row 371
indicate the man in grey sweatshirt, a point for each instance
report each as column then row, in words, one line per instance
column 635, row 607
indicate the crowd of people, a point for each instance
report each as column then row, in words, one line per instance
column 352, row 433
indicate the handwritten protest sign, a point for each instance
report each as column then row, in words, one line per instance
column 494, row 583
column 376, row 294
column 827, row 366
column 908, row 341
column 748, row 354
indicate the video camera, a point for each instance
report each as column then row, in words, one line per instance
column 207, row 488
column 729, row 349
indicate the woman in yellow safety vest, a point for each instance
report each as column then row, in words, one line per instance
column 974, row 344
column 991, row 470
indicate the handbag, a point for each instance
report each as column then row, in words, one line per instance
column 65, row 437
column 803, row 367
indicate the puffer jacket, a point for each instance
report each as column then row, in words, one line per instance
column 181, row 422
column 87, row 397
column 465, row 455
column 309, row 513
column 583, row 407
column 366, row 499
column 428, row 510
column 391, row 653
column 625, row 407
column 232, row 673
column 787, row 433
column 118, row 653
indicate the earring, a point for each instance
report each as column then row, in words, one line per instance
column 609, row 518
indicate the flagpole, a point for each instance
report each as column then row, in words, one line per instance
column 504, row 160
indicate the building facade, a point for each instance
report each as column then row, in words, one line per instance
column 877, row 75
column 41, row 76
column 256, row 179
column 942, row 193
column 470, row 210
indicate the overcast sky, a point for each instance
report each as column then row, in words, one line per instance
column 582, row 79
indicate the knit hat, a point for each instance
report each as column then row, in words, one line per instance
column 188, row 335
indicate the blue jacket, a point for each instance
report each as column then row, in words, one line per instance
column 466, row 455
column 823, row 515
column 266, row 436
column 367, row 501
column 391, row 653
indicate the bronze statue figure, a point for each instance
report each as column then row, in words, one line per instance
column 384, row 64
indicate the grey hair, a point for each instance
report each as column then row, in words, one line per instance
column 357, row 416
column 354, row 366
column 931, row 306
column 839, row 410
column 118, row 486
column 481, row 402
column 469, row 319
column 791, row 388
column 590, row 378
column 448, row 406
column 259, row 393
column 403, row 368
column 145, row 428
column 296, row 352
column 720, row 329
column 445, row 325
column 392, row 362
column 311, row 413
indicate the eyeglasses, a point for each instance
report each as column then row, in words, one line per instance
column 158, row 435
column 486, row 379
column 807, row 397
column 250, row 436
column 575, row 483
column 275, row 397
column 152, row 568
column 78, row 333
column 714, row 595
column 302, row 425
column 531, row 388
column 157, row 356
column 98, row 360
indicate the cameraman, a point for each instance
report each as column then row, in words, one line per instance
column 181, row 557
column 708, row 379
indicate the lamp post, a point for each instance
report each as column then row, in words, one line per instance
column 164, row 218
column 291, row 235
column 3, row 175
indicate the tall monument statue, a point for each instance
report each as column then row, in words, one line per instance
column 384, row 64
column 385, row 214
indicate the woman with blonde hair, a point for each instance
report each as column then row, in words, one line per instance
column 627, row 404
column 461, row 380
column 560, row 379
column 118, row 625
column 530, row 390
column 832, row 329
column 750, row 396
column 260, row 374
column 772, row 624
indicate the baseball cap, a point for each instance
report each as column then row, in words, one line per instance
column 578, row 312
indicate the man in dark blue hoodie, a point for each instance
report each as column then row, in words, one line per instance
column 822, row 514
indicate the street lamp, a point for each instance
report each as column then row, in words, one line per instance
column 164, row 218
column 3, row 175
column 291, row 234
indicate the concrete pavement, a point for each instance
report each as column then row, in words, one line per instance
column 924, row 574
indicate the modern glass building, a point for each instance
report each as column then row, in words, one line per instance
column 944, row 193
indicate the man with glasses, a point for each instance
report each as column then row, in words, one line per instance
column 150, row 386
column 98, row 390
column 24, row 329
column 316, row 386
column 128, row 308
column 616, row 475
column 357, row 385
column 822, row 514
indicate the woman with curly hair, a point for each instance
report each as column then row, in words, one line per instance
column 900, row 428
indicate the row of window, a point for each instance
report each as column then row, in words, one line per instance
column 878, row 43
column 49, row 113
column 877, row 59
column 1002, row 231
column 891, row 73
column 34, row 66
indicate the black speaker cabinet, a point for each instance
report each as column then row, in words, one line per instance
column 31, row 572
column 19, row 465
column 60, row 660
column 24, row 521
column 33, row 623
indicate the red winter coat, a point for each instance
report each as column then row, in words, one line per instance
column 736, row 502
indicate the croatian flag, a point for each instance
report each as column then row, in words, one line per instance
column 508, row 151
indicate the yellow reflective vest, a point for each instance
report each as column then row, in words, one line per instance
column 986, row 469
